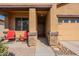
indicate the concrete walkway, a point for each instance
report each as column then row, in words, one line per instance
column 42, row 49
column 21, row 49
column 72, row 45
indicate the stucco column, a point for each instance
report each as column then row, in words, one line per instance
column 53, row 26
column 32, row 27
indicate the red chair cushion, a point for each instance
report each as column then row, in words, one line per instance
column 10, row 34
column 24, row 35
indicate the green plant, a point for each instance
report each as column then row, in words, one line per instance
column 3, row 50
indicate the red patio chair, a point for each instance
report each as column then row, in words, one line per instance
column 10, row 35
column 24, row 36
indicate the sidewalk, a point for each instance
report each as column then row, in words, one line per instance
column 43, row 50
column 72, row 45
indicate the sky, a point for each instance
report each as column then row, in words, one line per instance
column 2, row 17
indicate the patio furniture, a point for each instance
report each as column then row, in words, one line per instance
column 10, row 35
column 24, row 36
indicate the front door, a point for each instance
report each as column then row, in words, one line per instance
column 41, row 26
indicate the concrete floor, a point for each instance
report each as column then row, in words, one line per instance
column 42, row 48
column 72, row 45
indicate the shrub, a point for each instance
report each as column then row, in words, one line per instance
column 3, row 50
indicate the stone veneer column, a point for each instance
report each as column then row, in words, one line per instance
column 32, row 27
column 53, row 34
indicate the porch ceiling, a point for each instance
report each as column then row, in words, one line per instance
column 24, row 8
column 18, row 11
column 27, row 12
column 42, row 13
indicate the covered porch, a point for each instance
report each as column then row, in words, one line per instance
column 26, row 18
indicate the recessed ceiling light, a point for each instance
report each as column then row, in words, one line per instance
column 41, row 15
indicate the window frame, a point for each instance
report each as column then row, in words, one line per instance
column 21, row 25
column 77, row 20
column 66, row 21
column 72, row 20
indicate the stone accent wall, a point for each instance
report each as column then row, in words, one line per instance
column 32, row 39
column 53, row 39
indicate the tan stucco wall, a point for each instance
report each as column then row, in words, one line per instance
column 32, row 20
column 71, row 8
column 48, row 24
column 68, row 31
column 53, row 18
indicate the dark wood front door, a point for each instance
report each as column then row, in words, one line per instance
column 41, row 26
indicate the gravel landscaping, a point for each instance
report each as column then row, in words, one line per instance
column 21, row 49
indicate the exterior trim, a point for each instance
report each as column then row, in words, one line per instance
column 32, row 33
column 67, row 15
column 53, row 33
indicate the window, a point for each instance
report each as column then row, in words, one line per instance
column 2, row 21
column 77, row 20
column 25, row 23
column 17, row 23
column 66, row 20
column 72, row 21
column 60, row 21
column 21, row 24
